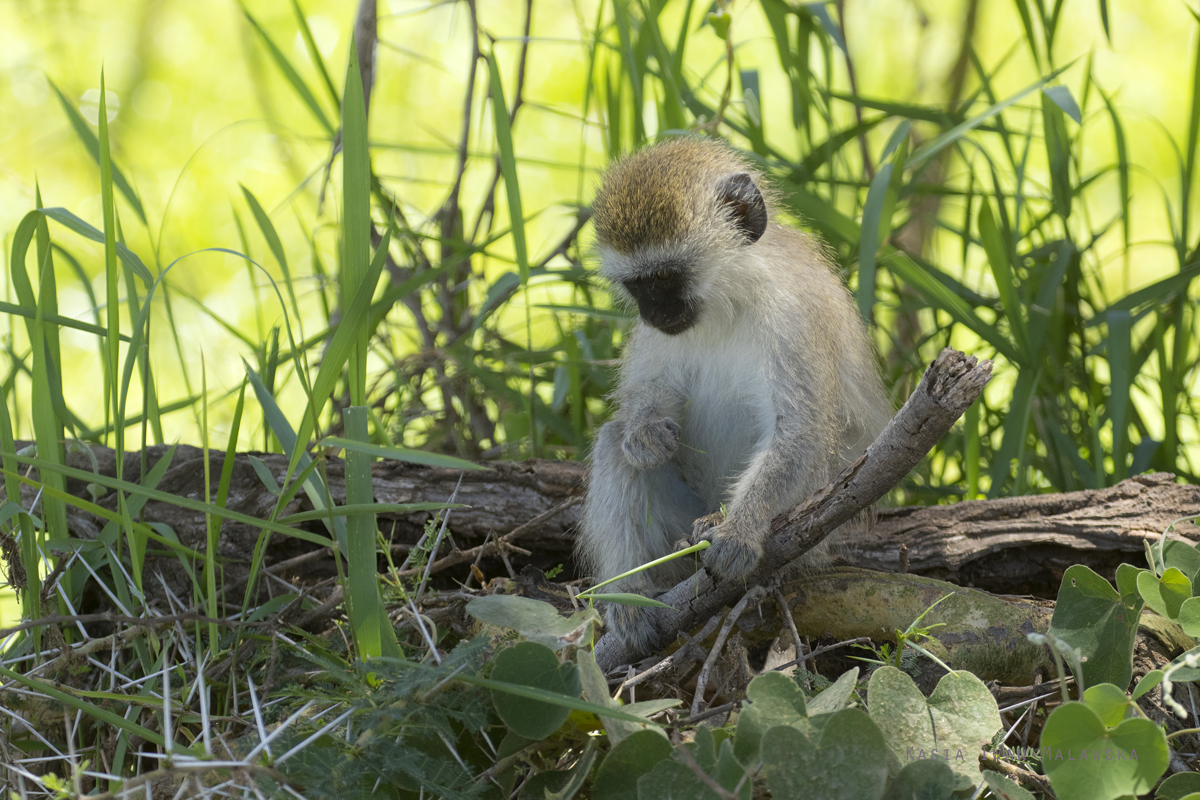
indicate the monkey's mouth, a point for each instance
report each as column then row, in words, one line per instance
column 663, row 301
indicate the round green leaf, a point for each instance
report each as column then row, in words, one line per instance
column 1166, row 594
column 1178, row 787
column 1109, row 703
column 929, row 779
column 532, row 664
column 633, row 757
column 1180, row 554
column 1086, row 761
column 537, row 621
column 1091, row 615
column 849, row 762
column 1189, row 616
column 955, row 722
column 775, row 699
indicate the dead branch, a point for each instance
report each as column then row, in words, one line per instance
column 949, row 386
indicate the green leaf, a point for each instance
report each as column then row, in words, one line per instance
column 595, row 690
column 1062, row 97
column 289, row 72
column 75, row 224
column 1178, row 786
column 848, row 763
column 372, row 630
column 1182, row 556
column 996, row 247
column 1058, row 153
column 534, row 665
column 356, row 217
column 628, row 599
column 84, row 131
column 536, row 620
column 1110, row 703
column 960, row 716
column 1146, row 683
column 868, row 241
column 924, row 779
column 402, row 454
column 508, row 166
column 958, row 131
column 630, row 759
column 1189, row 616
column 273, row 242
column 1003, row 788
column 1091, row 615
column 1164, row 595
column 835, row 696
column 774, row 699
column 1088, row 761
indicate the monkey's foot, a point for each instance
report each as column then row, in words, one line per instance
column 732, row 556
column 649, row 443
column 633, row 624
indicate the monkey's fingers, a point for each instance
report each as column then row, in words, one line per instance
column 731, row 557
column 703, row 527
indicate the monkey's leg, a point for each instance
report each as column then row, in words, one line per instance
column 631, row 517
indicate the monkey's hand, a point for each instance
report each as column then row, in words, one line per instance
column 735, row 550
column 650, row 441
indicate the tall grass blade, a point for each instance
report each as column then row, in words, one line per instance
column 276, row 246
column 1058, row 154
column 508, row 167
column 356, row 217
column 46, row 389
column 373, row 633
column 928, row 151
column 1117, row 348
column 1122, row 171
column 314, row 53
column 997, row 254
column 92, row 145
column 868, row 242
column 289, row 72
column 401, row 454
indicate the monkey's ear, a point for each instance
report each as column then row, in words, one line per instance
column 741, row 196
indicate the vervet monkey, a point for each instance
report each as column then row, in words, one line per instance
column 748, row 380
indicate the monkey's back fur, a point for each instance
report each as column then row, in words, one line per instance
column 748, row 382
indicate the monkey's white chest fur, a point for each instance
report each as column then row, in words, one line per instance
column 727, row 409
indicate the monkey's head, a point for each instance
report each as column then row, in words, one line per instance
column 667, row 217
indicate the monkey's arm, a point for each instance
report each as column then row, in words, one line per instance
column 651, row 408
column 778, row 475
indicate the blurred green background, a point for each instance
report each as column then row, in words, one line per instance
column 1079, row 285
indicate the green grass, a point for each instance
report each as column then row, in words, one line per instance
column 977, row 224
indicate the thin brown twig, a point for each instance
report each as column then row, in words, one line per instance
column 66, row 619
column 496, row 546
column 822, row 651
column 754, row 594
column 786, row 612
column 676, row 657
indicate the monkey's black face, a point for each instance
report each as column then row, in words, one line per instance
column 663, row 300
